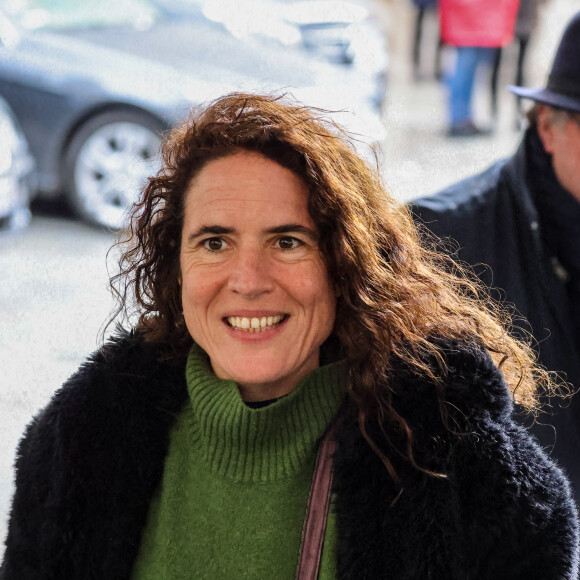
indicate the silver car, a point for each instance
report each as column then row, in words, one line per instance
column 17, row 176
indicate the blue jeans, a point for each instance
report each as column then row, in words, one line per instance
column 462, row 81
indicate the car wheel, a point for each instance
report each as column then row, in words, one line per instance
column 107, row 164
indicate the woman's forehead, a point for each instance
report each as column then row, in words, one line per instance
column 244, row 183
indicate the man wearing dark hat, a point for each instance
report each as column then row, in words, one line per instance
column 521, row 218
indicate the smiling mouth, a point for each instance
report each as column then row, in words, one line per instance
column 255, row 324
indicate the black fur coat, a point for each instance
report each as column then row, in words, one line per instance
column 90, row 462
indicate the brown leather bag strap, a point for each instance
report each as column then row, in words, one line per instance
column 317, row 510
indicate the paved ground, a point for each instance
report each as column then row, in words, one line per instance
column 53, row 297
column 53, row 301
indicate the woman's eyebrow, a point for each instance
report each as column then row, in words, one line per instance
column 293, row 228
column 205, row 230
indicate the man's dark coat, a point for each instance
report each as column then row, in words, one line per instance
column 496, row 227
column 90, row 462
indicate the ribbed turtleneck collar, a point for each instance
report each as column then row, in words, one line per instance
column 259, row 444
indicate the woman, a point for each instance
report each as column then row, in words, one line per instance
column 278, row 287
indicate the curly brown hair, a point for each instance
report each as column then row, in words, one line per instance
column 395, row 294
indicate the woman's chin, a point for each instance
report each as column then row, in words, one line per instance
column 265, row 383
column 265, row 375
column 256, row 382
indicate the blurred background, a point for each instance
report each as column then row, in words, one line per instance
column 87, row 88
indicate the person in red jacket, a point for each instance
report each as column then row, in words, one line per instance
column 475, row 28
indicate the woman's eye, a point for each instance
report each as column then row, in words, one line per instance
column 289, row 243
column 214, row 244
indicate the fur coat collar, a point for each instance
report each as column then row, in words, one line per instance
column 90, row 462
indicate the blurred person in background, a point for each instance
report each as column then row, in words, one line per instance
column 290, row 327
column 475, row 28
column 421, row 8
column 521, row 218
column 525, row 25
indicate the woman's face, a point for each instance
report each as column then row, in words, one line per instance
column 255, row 290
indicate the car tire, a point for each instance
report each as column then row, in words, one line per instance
column 107, row 163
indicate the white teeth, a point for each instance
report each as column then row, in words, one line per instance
column 254, row 324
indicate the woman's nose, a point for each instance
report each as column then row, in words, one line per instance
column 250, row 275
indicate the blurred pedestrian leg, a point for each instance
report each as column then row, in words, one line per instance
column 525, row 26
column 493, row 85
column 417, row 43
column 422, row 7
column 523, row 43
column 461, row 83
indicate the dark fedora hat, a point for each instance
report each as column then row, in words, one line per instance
column 563, row 88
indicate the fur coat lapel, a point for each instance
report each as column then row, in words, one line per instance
column 501, row 494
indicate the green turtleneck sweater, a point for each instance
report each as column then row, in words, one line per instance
column 233, row 496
